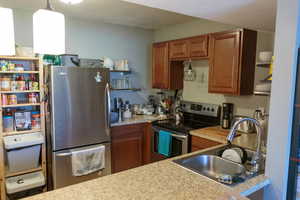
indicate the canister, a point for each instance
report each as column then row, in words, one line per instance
column 12, row 99
column 8, row 123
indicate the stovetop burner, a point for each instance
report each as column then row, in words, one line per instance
column 183, row 127
column 196, row 115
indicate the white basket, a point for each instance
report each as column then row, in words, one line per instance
column 23, row 151
column 24, row 182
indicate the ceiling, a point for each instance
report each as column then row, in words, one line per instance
column 255, row 14
column 110, row 11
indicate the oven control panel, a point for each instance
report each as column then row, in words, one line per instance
column 200, row 108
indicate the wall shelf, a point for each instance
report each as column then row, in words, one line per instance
column 121, row 71
column 20, row 132
column 263, row 64
column 19, row 91
column 130, row 89
column 21, row 105
column 10, row 174
column 262, row 93
column 19, row 72
column 19, row 58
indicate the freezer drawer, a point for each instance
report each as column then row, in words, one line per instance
column 62, row 167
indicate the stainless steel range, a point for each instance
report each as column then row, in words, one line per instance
column 195, row 116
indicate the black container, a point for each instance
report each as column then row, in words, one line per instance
column 227, row 115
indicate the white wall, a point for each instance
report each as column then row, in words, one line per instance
column 95, row 40
column 198, row 90
column 282, row 99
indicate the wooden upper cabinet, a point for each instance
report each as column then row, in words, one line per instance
column 160, row 65
column 165, row 74
column 179, row 49
column 198, row 47
column 232, row 62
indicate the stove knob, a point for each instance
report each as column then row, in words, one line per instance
column 199, row 107
column 204, row 109
column 208, row 109
column 212, row 110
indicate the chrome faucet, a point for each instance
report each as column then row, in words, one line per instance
column 256, row 159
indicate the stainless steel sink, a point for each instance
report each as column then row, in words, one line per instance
column 211, row 165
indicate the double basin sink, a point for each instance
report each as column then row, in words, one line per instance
column 213, row 166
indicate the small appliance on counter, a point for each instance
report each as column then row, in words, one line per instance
column 227, row 115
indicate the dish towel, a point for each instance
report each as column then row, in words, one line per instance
column 87, row 161
column 164, row 143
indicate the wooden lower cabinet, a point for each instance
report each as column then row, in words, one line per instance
column 131, row 146
column 199, row 143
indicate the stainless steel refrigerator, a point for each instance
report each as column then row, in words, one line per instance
column 78, row 104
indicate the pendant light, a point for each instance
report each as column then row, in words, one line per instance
column 189, row 74
column 48, row 31
column 7, row 33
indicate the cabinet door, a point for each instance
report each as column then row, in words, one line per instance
column 198, row 47
column 224, row 62
column 179, row 49
column 127, row 147
column 160, row 66
column 199, row 143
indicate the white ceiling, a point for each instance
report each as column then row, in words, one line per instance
column 255, row 14
column 110, row 11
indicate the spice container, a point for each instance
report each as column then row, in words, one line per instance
column 19, row 67
column 11, row 67
column 8, row 123
column 4, row 99
column 32, row 98
column 21, row 84
column 35, row 120
column 5, row 84
column 12, row 99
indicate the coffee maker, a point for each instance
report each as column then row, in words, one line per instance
column 227, row 115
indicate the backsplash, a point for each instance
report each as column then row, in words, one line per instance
column 198, row 91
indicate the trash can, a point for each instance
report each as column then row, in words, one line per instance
column 23, row 151
column 24, row 182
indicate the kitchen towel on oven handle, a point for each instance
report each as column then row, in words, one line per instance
column 87, row 161
column 165, row 143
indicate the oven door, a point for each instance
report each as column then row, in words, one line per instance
column 180, row 142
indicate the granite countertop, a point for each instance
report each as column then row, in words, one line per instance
column 160, row 180
column 218, row 134
column 138, row 119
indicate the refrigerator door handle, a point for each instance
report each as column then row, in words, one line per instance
column 64, row 154
column 107, row 108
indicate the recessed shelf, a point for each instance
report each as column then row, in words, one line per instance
column 18, row 91
column 20, row 132
column 263, row 64
column 21, row 105
column 19, row 58
column 10, row 174
column 19, row 72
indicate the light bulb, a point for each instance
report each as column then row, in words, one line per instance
column 48, row 32
column 7, row 33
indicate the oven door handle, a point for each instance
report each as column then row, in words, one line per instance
column 179, row 136
column 172, row 134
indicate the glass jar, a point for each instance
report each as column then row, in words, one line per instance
column 35, row 120
column 8, row 123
